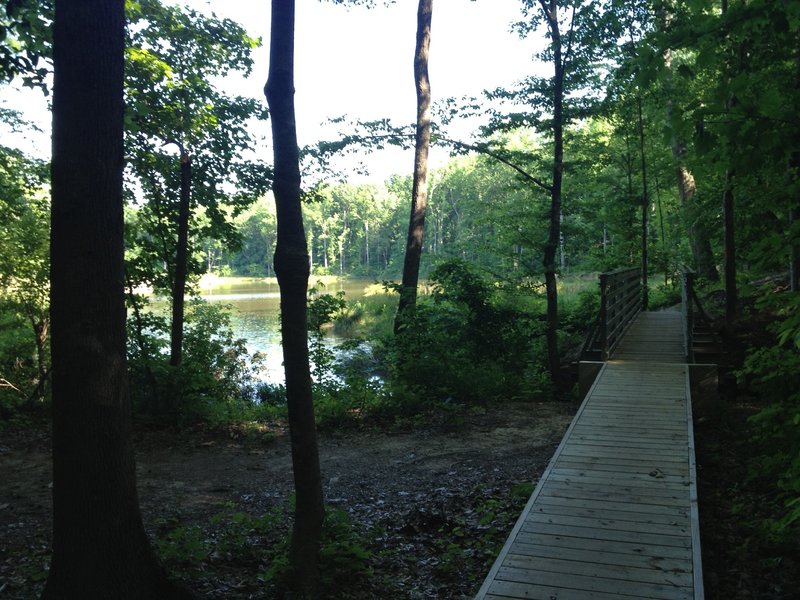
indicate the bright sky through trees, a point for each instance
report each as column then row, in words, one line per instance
column 358, row 62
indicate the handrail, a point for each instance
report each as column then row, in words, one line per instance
column 687, row 308
column 690, row 302
column 620, row 302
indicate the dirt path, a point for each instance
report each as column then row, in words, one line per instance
column 409, row 485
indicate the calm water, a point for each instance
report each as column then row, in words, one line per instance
column 255, row 306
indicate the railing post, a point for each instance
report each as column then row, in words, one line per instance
column 603, row 316
column 687, row 293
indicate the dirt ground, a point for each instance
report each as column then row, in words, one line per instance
column 408, row 485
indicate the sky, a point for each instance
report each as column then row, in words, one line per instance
column 359, row 62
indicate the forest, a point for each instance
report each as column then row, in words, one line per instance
column 657, row 134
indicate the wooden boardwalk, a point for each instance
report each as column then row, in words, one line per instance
column 614, row 515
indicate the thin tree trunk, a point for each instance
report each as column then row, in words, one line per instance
column 645, row 203
column 181, row 260
column 551, row 246
column 419, row 192
column 40, row 332
column 729, row 225
column 292, row 270
column 731, row 299
column 100, row 549
column 661, row 223
column 794, row 267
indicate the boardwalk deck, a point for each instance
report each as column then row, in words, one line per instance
column 614, row 516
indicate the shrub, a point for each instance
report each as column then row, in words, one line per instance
column 464, row 343
column 774, row 372
column 216, row 381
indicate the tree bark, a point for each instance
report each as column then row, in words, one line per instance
column 419, row 191
column 794, row 266
column 100, row 549
column 731, row 299
column 551, row 246
column 292, row 269
column 645, row 204
column 181, row 262
column 699, row 240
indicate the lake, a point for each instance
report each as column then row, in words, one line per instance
column 255, row 312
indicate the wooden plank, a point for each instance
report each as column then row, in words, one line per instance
column 611, row 535
column 630, row 559
column 630, row 444
column 605, row 522
column 657, row 487
column 649, row 482
column 662, row 465
column 606, row 504
column 603, row 546
column 596, row 584
column 666, row 471
column 600, row 511
column 612, row 495
column 509, row 590
column 628, row 573
column 601, row 452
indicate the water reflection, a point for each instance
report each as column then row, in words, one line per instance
column 255, row 316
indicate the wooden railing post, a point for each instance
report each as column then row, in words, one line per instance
column 604, row 316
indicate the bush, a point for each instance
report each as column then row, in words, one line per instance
column 216, row 381
column 774, row 372
column 464, row 344
column 18, row 371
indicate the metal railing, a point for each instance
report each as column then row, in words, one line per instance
column 694, row 315
column 620, row 302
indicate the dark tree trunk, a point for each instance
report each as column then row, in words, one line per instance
column 728, row 223
column 292, row 270
column 794, row 250
column 419, row 192
column 551, row 246
column 731, row 299
column 645, row 204
column 181, row 262
column 100, row 549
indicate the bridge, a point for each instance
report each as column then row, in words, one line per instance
column 614, row 515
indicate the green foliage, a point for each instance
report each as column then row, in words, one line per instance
column 239, row 538
column 216, row 381
column 26, row 41
column 665, row 295
column 474, row 539
column 343, row 558
column 24, row 281
column 464, row 344
column 774, row 372
column 173, row 54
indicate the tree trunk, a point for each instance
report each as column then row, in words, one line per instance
column 794, row 266
column 419, row 192
column 292, row 270
column 731, row 299
column 728, row 223
column 181, row 260
column 551, row 246
column 696, row 230
column 100, row 549
column 645, row 203
column 699, row 240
